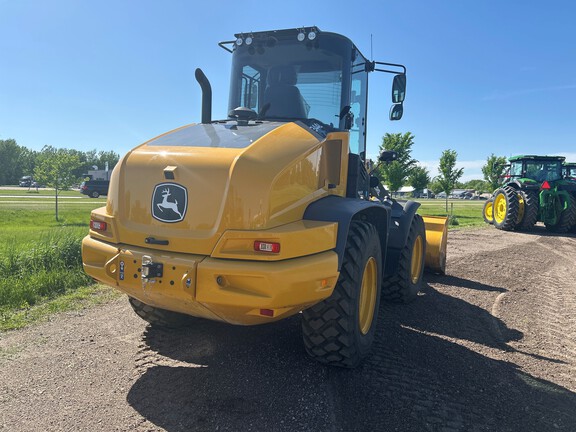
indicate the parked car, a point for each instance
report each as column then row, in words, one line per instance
column 94, row 188
column 25, row 181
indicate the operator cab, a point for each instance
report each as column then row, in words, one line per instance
column 538, row 168
column 317, row 78
column 570, row 171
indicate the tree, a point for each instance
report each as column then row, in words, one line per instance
column 493, row 170
column 55, row 168
column 395, row 173
column 449, row 175
column 10, row 171
column 480, row 186
column 419, row 178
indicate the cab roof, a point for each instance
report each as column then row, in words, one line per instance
column 535, row 157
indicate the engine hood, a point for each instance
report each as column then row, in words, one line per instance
column 190, row 185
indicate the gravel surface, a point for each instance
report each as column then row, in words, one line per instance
column 489, row 347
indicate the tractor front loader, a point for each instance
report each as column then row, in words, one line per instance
column 535, row 191
column 268, row 213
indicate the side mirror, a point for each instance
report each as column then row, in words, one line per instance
column 399, row 88
column 388, row 156
column 396, row 112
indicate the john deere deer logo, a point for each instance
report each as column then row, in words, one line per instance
column 169, row 202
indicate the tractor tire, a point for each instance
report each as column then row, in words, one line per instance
column 506, row 208
column 339, row 330
column 487, row 211
column 160, row 317
column 567, row 218
column 530, row 203
column 405, row 284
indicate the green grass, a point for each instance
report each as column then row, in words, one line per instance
column 467, row 213
column 40, row 259
column 41, row 192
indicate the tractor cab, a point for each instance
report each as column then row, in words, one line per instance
column 316, row 78
column 536, row 168
column 569, row 171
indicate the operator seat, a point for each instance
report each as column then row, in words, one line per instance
column 282, row 99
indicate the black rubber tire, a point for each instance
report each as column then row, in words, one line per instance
column 331, row 329
column 400, row 287
column 567, row 218
column 488, row 220
column 531, row 205
column 94, row 194
column 511, row 196
column 160, row 317
column 573, row 227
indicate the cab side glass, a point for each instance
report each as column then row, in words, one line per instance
column 399, row 88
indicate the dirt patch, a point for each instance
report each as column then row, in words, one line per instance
column 489, row 347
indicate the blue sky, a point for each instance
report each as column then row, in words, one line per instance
column 483, row 76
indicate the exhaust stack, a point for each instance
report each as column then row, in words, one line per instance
column 206, row 96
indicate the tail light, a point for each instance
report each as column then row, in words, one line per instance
column 269, row 247
column 97, row 225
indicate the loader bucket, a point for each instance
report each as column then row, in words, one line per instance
column 436, row 242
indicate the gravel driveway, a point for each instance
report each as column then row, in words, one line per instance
column 489, row 347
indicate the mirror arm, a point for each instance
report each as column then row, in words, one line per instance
column 387, row 70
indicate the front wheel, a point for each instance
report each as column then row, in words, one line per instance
column 339, row 330
column 404, row 285
column 94, row 194
column 487, row 211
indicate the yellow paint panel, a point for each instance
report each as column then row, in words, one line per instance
column 296, row 239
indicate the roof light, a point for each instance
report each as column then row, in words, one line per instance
column 269, row 247
column 249, row 40
column 545, row 185
column 301, row 36
column 312, row 35
column 97, row 225
column 239, row 41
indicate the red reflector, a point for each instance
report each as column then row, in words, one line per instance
column 267, row 312
column 545, row 185
column 270, row 247
column 97, row 225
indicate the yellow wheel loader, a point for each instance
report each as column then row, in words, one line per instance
column 269, row 212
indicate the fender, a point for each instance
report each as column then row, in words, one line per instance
column 402, row 216
column 343, row 211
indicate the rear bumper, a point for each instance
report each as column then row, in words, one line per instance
column 235, row 291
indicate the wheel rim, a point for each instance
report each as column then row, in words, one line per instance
column 500, row 208
column 368, row 293
column 521, row 207
column 416, row 263
column 488, row 211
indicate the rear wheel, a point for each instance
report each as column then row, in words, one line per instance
column 404, row 285
column 487, row 211
column 530, row 205
column 160, row 317
column 339, row 331
column 506, row 208
column 94, row 194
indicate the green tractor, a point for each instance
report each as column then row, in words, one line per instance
column 534, row 190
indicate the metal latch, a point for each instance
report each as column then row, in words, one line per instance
column 151, row 270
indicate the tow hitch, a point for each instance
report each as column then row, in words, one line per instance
column 151, row 270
